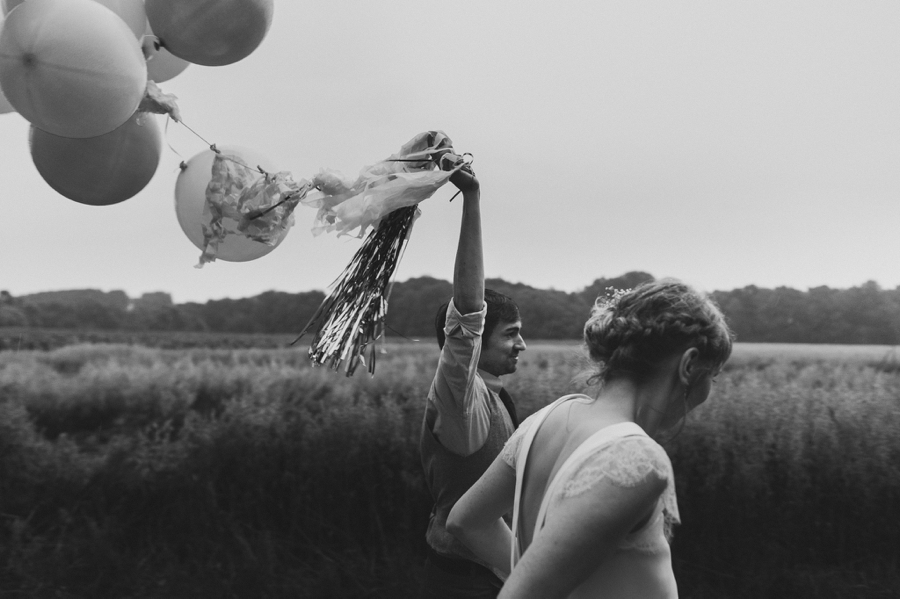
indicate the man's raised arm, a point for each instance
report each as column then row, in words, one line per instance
column 468, row 272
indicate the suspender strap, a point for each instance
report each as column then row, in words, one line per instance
column 509, row 405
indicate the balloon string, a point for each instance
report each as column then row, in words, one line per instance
column 287, row 198
column 466, row 158
column 219, row 152
column 212, row 146
column 183, row 164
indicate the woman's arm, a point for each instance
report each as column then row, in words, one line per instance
column 477, row 518
column 579, row 534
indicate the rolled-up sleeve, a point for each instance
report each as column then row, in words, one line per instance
column 459, row 395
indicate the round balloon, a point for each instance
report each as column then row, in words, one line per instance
column 210, row 32
column 5, row 106
column 162, row 65
column 190, row 198
column 8, row 5
column 103, row 170
column 71, row 67
column 130, row 11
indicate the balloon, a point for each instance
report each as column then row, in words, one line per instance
column 210, row 32
column 130, row 11
column 5, row 106
column 103, row 170
column 190, row 198
column 71, row 67
column 8, row 5
column 161, row 64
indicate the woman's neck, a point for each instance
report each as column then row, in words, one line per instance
column 617, row 400
column 642, row 403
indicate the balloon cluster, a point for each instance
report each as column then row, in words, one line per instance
column 84, row 74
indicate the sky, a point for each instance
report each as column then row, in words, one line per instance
column 724, row 143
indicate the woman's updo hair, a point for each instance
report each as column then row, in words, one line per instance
column 630, row 332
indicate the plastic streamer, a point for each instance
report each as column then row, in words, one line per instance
column 353, row 314
column 403, row 179
column 351, row 318
column 159, row 102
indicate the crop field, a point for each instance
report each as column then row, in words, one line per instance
column 130, row 471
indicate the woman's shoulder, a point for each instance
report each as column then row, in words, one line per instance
column 626, row 461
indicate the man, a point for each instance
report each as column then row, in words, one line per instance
column 468, row 415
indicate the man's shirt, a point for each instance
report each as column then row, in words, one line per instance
column 460, row 392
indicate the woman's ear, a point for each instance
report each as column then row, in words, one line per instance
column 689, row 365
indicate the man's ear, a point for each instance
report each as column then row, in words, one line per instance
column 688, row 366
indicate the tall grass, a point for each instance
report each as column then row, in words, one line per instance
column 131, row 472
column 787, row 481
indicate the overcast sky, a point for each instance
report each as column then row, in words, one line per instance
column 724, row 143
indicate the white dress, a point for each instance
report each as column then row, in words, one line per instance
column 624, row 455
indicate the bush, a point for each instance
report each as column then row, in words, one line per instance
column 134, row 472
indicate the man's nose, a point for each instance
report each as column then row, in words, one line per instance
column 520, row 344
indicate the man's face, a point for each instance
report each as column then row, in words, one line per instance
column 500, row 351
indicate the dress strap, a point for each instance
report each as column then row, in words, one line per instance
column 521, row 458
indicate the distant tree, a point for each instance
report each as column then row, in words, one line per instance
column 11, row 312
column 84, row 314
column 12, row 316
column 155, row 299
column 546, row 314
column 117, row 300
column 270, row 312
column 279, row 312
column 864, row 314
column 868, row 315
column 413, row 304
column 551, row 314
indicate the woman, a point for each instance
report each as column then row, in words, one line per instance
column 592, row 495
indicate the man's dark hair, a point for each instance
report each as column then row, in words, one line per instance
column 500, row 308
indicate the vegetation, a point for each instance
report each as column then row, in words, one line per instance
column 136, row 472
column 859, row 315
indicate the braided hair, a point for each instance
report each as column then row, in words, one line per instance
column 630, row 333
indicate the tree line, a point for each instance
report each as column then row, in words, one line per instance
column 865, row 314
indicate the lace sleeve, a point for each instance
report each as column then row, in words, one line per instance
column 625, row 463
column 510, row 451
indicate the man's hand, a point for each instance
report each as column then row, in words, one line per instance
column 465, row 180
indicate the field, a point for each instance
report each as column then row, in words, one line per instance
column 164, row 472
